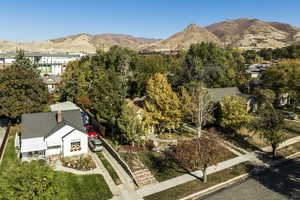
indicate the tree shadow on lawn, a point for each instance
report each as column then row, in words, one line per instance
column 236, row 139
column 283, row 178
column 168, row 168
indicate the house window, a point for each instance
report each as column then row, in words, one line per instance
column 75, row 145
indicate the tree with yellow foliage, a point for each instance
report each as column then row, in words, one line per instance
column 234, row 114
column 162, row 106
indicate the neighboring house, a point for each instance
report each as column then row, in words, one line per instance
column 52, row 135
column 256, row 69
column 68, row 105
column 137, row 109
column 51, row 81
column 63, row 106
column 217, row 94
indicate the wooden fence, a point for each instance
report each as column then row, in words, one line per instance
column 2, row 147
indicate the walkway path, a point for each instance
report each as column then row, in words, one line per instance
column 126, row 191
column 255, row 157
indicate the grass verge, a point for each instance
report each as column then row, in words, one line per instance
column 109, row 168
column 289, row 150
column 191, row 187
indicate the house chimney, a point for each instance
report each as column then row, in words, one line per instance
column 59, row 116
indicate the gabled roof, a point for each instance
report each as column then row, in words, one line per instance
column 45, row 124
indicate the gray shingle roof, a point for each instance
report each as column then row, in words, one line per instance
column 45, row 124
column 217, row 94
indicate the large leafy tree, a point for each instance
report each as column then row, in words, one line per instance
column 106, row 97
column 270, row 124
column 284, row 78
column 214, row 66
column 147, row 66
column 31, row 181
column 199, row 153
column 233, row 113
column 21, row 91
column 162, row 106
column 130, row 124
column 197, row 106
column 21, row 61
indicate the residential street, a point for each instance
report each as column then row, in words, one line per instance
column 279, row 184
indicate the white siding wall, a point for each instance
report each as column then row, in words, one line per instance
column 56, row 138
column 75, row 135
column 32, row 144
column 53, row 151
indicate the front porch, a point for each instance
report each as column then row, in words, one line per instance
column 34, row 155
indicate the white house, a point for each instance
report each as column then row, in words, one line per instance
column 52, row 134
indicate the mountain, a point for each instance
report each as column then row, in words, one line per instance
column 77, row 43
column 248, row 33
column 245, row 33
column 182, row 40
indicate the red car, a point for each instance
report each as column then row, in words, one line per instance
column 87, row 127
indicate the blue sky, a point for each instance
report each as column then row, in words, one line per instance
column 36, row 20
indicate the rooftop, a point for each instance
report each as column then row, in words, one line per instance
column 45, row 123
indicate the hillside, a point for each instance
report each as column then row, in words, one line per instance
column 182, row 40
column 77, row 43
column 250, row 33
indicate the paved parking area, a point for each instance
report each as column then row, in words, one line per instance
column 279, row 184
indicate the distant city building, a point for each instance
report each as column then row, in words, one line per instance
column 51, row 66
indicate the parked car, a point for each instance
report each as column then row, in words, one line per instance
column 87, row 127
column 95, row 145
column 290, row 116
column 85, row 118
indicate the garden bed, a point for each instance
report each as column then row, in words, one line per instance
column 82, row 163
column 194, row 186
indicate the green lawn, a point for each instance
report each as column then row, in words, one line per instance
column 289, row 150
column 292, row 127
column 10, row 159
column 77, row 187
column 194, row 186
column 110, row 169
column 163, row 170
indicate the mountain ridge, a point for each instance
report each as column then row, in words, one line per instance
column 244, row 33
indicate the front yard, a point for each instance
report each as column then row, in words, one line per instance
column 76, row 187
column 191, row 187
column 161, row 168
column 251, row 142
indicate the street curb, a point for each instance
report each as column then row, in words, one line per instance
column 233, row 180
column 216, row 187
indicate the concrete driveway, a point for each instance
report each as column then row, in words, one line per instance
column 278, row 184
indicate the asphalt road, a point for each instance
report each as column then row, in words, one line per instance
column 280, row 183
